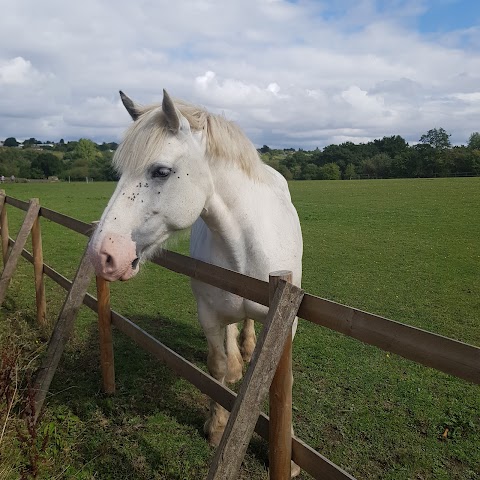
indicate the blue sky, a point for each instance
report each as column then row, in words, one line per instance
column 299, row 73
column 432, row 16
column 448, row 15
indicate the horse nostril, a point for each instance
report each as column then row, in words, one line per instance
column 135, row 263
column 109, row 259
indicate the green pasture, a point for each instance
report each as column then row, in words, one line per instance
column 405, row 249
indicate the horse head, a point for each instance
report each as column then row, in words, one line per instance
column 164, row 184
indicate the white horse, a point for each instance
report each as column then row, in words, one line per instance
column 183, row 167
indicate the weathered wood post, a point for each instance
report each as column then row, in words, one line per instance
column 61, row 332
column 37, row 251
column 105, row 335
column 280, row 429
column 12, row 258
column 4, row 227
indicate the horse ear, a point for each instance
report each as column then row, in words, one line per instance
column 170, row 112
column 129, row 104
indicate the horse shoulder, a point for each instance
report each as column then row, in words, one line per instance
column 278, row 181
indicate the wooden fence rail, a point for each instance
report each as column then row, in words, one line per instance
column 444, row 354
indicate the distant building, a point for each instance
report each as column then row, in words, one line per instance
column 39, row 145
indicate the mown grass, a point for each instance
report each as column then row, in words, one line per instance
column 405, row 249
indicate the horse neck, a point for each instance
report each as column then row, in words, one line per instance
column 228, row 213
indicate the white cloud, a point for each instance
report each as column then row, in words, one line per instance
column 290, row 73
column 231, row 92
column 359, row 100
column 468, row 97
column 19, row 72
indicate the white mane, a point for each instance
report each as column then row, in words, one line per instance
column 225, row 140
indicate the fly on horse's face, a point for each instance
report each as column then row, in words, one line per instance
column 164, row 185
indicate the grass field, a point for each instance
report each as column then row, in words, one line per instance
column 405, row 249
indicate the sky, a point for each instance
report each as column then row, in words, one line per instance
column 301, row 74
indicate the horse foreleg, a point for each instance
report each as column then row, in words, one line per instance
column 217, row 366
column 234, row 357
column 248, row 339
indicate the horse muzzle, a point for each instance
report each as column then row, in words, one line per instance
column 114, row 256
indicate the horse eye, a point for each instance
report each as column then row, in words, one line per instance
column 161, row 172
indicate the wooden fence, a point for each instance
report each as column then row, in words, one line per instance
column 444, row 354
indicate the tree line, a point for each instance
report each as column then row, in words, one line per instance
column 75, row 160
column 389, row 157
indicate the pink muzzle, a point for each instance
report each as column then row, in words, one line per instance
column 114, row 257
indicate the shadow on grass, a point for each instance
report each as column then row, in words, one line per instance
column 153, row 426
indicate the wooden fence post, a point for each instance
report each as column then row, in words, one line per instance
column 12, row 259
column 280, row 427
column 37, row 251
column 105, row 335
column 4, row 228
column 62, row 331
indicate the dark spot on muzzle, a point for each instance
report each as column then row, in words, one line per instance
column 135, row 263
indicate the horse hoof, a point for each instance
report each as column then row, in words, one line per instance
column 215, row 437
column 233, row 377
column 295, row 470
column 234, row 369
column 247, row 345
column 215, row 425
column 247, row 349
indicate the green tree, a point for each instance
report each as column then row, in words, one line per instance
column 474, row 141
column 297, row 172
column 71, row 146
column 102, row 169
column 382, row 164
column 31, row 142
column 60, row 146
column 400, row 164
column 47, row 163
column 79, row 170
column 265, row 149
column 271, row 160
column 113, row 146
column 24, row 170
column 391, row 146
column 330, row 171
column 11, row 142
column 86, row 150
column 11, row 160
column 350, row 172
column 461, row 160
column 285, row 172
column 367, row 168
column 475, row 162
column 79, row 156
column 422, row 161
column 340, row 154
column 438, row 138
column 310, row 172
